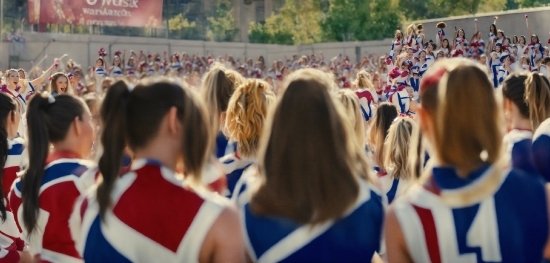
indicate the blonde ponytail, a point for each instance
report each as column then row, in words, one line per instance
column 537, row 97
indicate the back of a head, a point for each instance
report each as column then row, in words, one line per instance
column 363, row 80
column 537, row 97
column 217, row 89
column 397, row 145
column 465, row 115
column 353, row 113
column 318, row 179
column 133, row 117
column 48, row 121
column 8, row 109
column 246, row 114
column 384, row 116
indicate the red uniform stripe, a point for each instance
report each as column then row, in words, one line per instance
column 430, row 233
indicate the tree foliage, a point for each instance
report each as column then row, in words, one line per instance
column 532, row 3
column 367, row 20
column 221, row 26
column 296, row 23
column 428, row 9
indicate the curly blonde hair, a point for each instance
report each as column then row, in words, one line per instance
column 363, row 80
column 246, row 114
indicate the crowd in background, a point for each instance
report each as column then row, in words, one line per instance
column 418, row 156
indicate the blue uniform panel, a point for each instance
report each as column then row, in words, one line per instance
column 354, row 238
column 522, row 158
column 541, row 155
column 98, row 248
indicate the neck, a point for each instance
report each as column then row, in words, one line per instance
column 69, row 147
column 157, row 151
column 519, row 123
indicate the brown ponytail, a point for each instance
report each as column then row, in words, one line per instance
column 8, row 106
column 124, row 112
column 537, row 97
column 48, row 122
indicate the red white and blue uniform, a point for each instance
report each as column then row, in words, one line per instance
column 353, row 238
column 461, row 44
column 116, row 72
column 541, row 149
column 396, row 47
column 233, row 166
column 100, row 72
column 367, row 102
column 10, row 236
column 448, row 220
column 494, row 65
column 391, row 186
column 477, row 48
column 517, row 146
column 154, row 217
column 62, row 183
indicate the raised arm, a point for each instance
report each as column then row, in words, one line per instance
column 38, row 81
column 528, row 28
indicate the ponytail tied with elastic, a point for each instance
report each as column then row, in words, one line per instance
column 114, row 117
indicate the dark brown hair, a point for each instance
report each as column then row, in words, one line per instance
column 383, row 118
column 124, row 113
column 8, row 106
column 314, row 182
column 48, row 122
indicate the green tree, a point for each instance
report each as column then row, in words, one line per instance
column 296, row 23
column 221, row 26
column 532, row 3
column 349, row 20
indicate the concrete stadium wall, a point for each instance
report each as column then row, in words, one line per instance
column 83, row 48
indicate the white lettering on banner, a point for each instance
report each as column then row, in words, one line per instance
column 120, row 3
column 106, row 12
column 91, row 2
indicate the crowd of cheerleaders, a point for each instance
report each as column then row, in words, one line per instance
column 221, row 173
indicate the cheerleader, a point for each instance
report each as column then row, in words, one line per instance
column 410, row 41
column 524, row 64
column 460, row 42
column 368, row 98
column 492, row 35
column 396, row 47
column 445, row 48
column 469, row 198
column 175, row 62
column 22, row 89
column 353, row 113
column 59, row 84
column 504, row 70
column 425, row 61
column 383, row 72
column 112, row 216
column 396, row 158
column 285, row 218
column 131, row 65
column 477, row 45
column 523, row 49
column 42, row 199
column 500, row 37
column 398, row 95
column 217, row 89
column 517, row 142
column 544, row 69
column 116, row 70
column 440, row 33
column 537, row 96
column 420, row 37
column 385, row 114
column 414, row 81
column 246, row 114
column 12, row 160
column 494, row 65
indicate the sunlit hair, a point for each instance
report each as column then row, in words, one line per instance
column 318, row 180
column 363, row 80
column 463, row 139
column 411, row 29
column 417, row 153
column 216, row 90
column 326, row 79
column 235, row 77
column 246, row 114
column 353, row 114
column 384, row 116
column 537, row 97
column 397, row 145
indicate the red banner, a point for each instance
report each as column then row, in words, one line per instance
column 131, row 13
